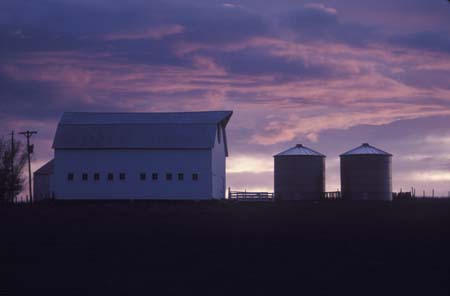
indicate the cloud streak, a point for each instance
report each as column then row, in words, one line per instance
column 151, row 33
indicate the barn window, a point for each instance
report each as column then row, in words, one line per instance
column 194, row 177
column 155, row 176
column 70, row 176
column 84, row 177
column 96, row 176
column 180, row 177
column 143, row 176
column 169, row 176
column 122, row 176
column 110, row 176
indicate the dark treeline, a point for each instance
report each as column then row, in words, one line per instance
column 12, row 161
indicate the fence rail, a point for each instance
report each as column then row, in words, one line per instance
column 332, row 195
column 251, row 196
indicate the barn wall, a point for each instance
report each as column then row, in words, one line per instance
column 132, row 163
column 218, row 166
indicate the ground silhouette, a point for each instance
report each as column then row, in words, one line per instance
column 303, row 248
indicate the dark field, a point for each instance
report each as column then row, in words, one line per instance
column 327, row 248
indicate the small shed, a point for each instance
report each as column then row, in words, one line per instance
column 42, row 186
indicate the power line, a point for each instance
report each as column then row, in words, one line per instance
column 30, row 149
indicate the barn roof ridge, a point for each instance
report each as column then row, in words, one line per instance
column 140, row 130
column 191, row 117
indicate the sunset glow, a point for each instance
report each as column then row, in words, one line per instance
column 330, row 74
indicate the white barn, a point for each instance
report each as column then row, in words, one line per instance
column 176, row 156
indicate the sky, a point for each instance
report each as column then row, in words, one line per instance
column 328, row 74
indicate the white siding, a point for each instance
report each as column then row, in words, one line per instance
column 132, row 163
column 218, row 165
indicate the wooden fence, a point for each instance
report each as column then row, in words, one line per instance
column 332, row 195
column 250, row 196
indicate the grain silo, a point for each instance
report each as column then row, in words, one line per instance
column 299, row 174
column 366, row 174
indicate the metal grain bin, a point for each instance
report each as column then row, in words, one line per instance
column 299, row 174
column 366, row 174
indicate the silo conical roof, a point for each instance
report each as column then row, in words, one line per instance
column 366, row 149
column 299, row 149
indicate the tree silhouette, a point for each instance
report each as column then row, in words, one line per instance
column 13, row 159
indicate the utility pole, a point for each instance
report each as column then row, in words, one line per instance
column 12, row 166
column 30, row 148
column 12, row 150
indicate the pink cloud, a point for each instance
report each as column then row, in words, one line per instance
column 363, row 95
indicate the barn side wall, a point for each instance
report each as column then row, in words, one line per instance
column 133, row 163
column 218, row 165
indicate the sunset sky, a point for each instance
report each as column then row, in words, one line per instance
column 328, row 74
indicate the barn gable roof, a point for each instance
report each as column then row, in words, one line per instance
column 46, row 169
column 175, row 130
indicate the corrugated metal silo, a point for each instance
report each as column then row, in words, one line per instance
column 366, row 174
column 299, row 174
